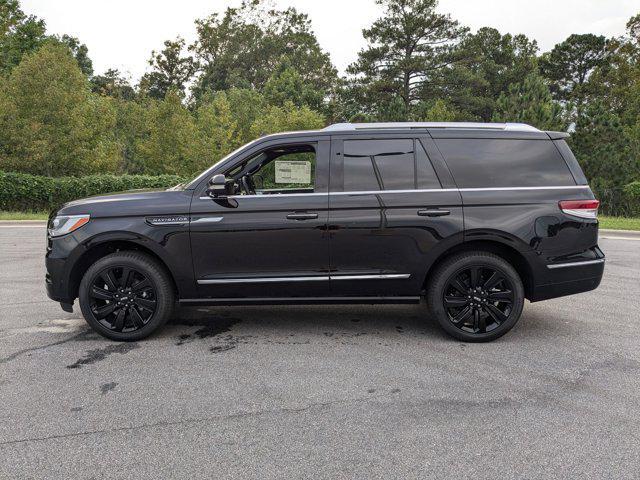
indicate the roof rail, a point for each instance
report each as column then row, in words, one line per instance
column 512, row 127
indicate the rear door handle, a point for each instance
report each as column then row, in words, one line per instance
column 302, row 216
column 436, row 212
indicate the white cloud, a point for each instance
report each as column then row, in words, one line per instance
column 122, row 33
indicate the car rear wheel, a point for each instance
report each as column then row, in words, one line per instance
column 126, row 296
column 476, row 296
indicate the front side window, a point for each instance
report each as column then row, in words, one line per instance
column 394, row 164
column 277, row 170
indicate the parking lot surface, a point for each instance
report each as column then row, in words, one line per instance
column 319, row 392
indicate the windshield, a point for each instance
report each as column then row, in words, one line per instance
column 197, row 179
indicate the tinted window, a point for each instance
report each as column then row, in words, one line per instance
column 487, row 163
column 426, row 175
column 380, row 165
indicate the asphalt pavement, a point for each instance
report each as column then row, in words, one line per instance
column 329, row 392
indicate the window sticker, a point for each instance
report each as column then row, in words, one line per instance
column 288, row 171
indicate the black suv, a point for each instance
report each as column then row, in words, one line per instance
column 474, row 217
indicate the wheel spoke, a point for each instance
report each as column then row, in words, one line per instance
column 105, row 310
column 461, row 317
column 141, row 285
column 458, row 285
column 474, row 277
column 110, row 280
column 127, row 277
column 492, row 281
column 119, row 321
column 135, row 315
column 506, row 296
column 496, row 314
column 146, row 304
column 479, row 323
column 100, row 293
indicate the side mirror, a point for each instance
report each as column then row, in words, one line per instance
column 219, row 186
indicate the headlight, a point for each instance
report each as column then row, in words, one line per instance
column 63, row 224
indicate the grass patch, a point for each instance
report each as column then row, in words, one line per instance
column 23, row 215
column 619, row 223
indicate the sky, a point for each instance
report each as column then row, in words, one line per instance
column 122, row 33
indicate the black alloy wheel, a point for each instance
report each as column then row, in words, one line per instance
column 478, row 299
column 475, row 296
column 122, row 299
column 126, row 295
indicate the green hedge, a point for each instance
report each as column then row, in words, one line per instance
column 31, row 193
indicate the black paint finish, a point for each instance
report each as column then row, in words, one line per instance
column 283, row 248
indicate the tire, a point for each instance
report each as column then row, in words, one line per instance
column 465, row 299
column 135, row 291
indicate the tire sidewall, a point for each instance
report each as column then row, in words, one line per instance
column 145, row 266
column 454, row 266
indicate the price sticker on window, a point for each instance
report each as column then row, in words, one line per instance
column 293, row 172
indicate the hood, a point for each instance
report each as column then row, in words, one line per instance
column 131, row 203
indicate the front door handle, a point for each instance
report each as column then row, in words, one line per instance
column 436, row 212
column 302, row 216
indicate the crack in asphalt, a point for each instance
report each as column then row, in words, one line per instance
column 193, row 421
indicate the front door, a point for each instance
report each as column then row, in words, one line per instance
column 388, row 214
column 268, row 239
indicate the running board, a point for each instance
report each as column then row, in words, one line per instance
column 298, row 301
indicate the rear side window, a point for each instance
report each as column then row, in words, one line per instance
column 395, row 164
column 495, row 163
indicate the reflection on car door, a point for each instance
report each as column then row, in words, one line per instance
column 264, row 246
column 387, row 211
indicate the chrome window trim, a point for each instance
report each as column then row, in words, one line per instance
column 416, row 190
column 575, row 264
column 387, row 276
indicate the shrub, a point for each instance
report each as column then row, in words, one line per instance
column 32, row 193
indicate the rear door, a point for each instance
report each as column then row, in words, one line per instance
column 391, row 204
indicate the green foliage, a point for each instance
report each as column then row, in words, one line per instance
column 286, row 118
column 49, row 122
column 19, row 34
column 409, row 46
column 31, row 193
column 243, row 47
column 171, row 70
column 487, row 62
column 529, row 102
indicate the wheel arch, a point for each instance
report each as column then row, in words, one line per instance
column 508, row 253
column 97, row 250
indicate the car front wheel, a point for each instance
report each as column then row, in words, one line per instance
column 476, row 296
column 126, row 296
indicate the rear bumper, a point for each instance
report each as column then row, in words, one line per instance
column 569, row 278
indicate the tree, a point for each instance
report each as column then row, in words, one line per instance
column 286, row 118
column 287, row 84
column 217, row 130
column 408, row 48
column 167, row 146
column 246, row 45
column 19, row 34
column 171, row 70
column 529, row 102
column 487, row 63
column 112, row 84
column 50, row 124
column 569, row 65
column 80, row 53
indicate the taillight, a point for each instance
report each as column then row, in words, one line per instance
column 580, row 208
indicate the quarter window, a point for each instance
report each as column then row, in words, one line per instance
column 495, row 163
